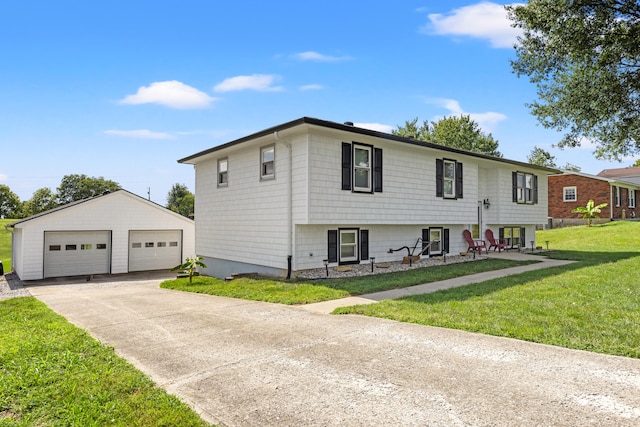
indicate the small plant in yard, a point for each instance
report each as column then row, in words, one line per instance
column 190, row 266
column 590, row 211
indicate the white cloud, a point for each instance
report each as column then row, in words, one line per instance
column 318, row 57
column 259, row 82
column 379, row 127
column 139, row 134
column 484, row 20
column 487, row 121
column 311, row 87
column 172, row 94
column 3, row 177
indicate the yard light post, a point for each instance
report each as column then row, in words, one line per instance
column 326, row 266
column 373, row 262
column 547, row 242
column 532, row 243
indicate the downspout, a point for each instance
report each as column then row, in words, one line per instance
column 276, row 135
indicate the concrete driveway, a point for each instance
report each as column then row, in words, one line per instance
column 243, row 363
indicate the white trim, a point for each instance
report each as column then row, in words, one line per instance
column 356, row 250
column 268, row 167
column 363, row 168
column 566, row 190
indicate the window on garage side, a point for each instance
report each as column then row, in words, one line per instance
column 149, row 244
column 223, row 173
column 136, row 245
column 86, row 247
column 54, row 247
column 70, row 247
column 173, row 244
column 101, row 246
column 267, row 162
column 162, row 244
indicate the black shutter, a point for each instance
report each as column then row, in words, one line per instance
column 425, row 241
column 514, row 191
column 439, row 177
column 523, row 241
column 458, row 180
column 364, row 245
column 535, row 188
column 445, row 243
column 346, row 166
column 615, row 196
column 332, row 250
column 377, row 170
column 501, row 234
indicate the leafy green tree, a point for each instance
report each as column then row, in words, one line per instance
column 10, row 204
column 584, row 58
column 541, row 157
column 79, row 186
column 590, row 211
column 457, row 132
column 636, row 164
column 181, row 200
column 571, row 167
column 42, row 200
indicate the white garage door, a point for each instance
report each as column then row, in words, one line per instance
column 75, row 253
column 154, row 249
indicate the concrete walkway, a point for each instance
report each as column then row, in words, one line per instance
column 247, row 363
column 328, row 306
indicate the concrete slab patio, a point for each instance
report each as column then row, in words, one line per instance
column 244, row 363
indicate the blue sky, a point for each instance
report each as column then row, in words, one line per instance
column 123, row 89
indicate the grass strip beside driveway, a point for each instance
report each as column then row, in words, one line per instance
column 53, row 373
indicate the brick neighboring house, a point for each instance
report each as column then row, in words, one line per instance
column 571, row 189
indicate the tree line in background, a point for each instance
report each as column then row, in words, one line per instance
column 78, row 187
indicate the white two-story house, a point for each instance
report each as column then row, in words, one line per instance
column 289, row 197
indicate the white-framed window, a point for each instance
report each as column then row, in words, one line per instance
column 348, row 245
column 632, row 198
column 223, row 172
column 361, row 168
column 267, row 162
column 435, row 237
column 570, row 194
column 526, row 185
column 449, row 179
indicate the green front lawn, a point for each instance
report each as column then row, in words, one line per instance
column 307, row 292
column 5, row 245
column 54, row 374
column 591, row 305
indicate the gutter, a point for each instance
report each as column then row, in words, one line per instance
column 276, row 135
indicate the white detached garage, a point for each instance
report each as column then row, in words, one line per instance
column 113, row 233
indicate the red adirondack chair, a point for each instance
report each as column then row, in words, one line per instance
column 495, row 243
column 474, row 245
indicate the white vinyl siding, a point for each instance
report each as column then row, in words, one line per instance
column 117, row 213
